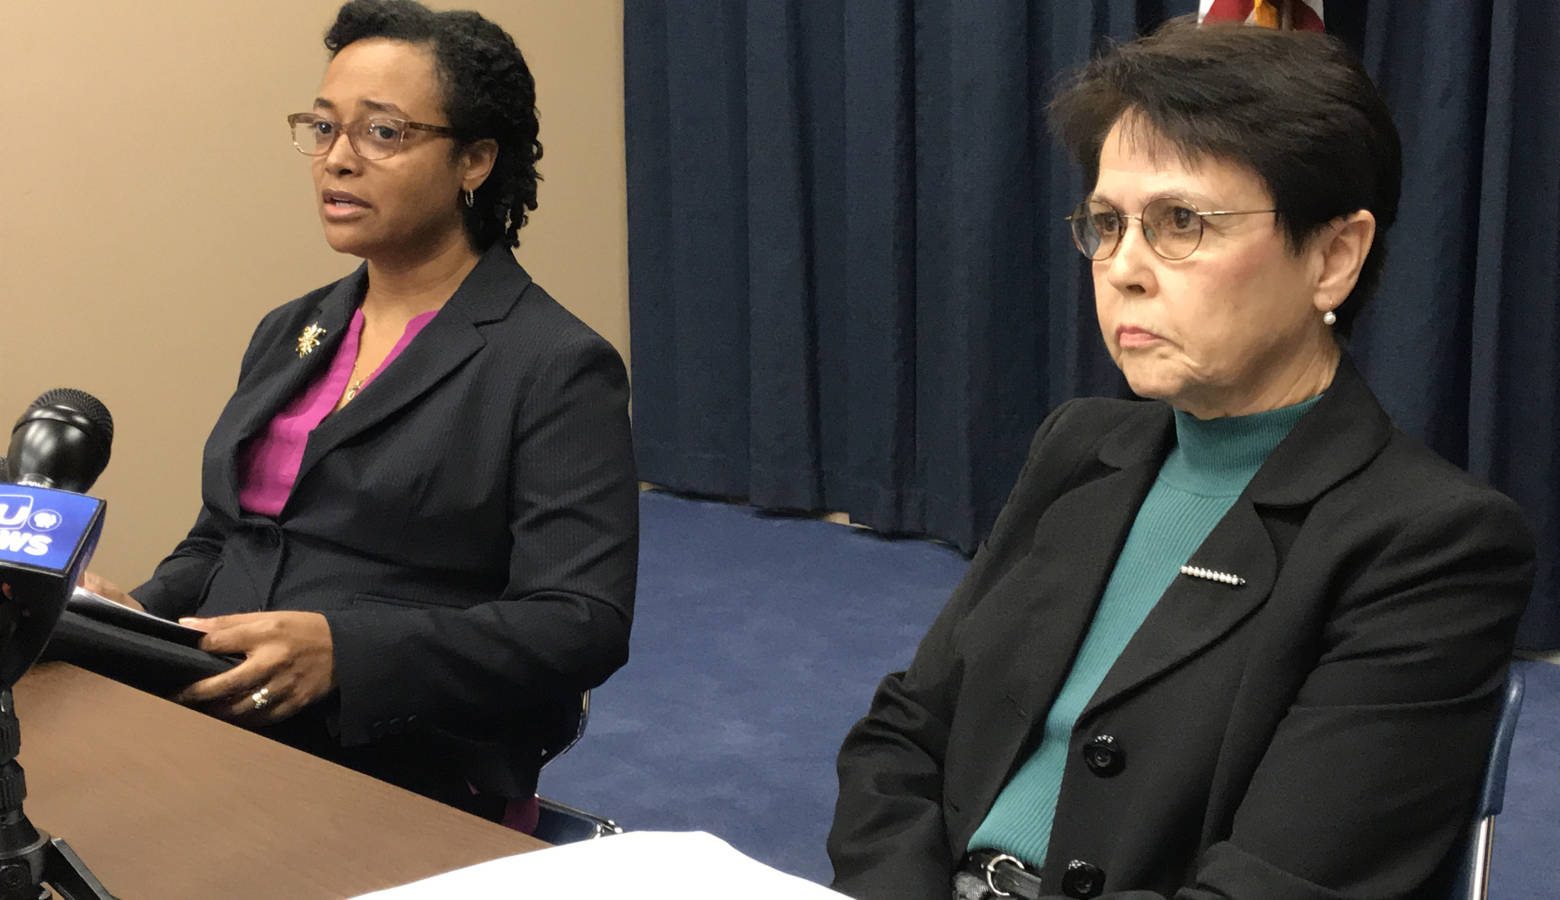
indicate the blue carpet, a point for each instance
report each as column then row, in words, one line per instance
column 758, row 641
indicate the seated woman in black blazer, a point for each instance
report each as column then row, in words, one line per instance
column 1246, row 640
column 420, row 510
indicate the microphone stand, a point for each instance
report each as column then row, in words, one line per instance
column 29, row 858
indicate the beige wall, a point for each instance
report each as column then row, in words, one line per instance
column 152, row 209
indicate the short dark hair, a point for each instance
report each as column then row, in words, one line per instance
column 488, row 93
column 1297, row 108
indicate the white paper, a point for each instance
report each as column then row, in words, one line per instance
column 690, row 865
column 98, row 607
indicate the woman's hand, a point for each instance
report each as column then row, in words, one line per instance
column 101, row 586
column 289, row 663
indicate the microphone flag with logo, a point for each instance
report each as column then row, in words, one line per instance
column 48, row 528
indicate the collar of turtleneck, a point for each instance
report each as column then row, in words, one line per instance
column 1217, row 457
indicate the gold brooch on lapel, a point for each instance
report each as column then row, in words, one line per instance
column 309, row 339
column 1228, row 578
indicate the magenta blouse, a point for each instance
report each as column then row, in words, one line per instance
column 271, row 461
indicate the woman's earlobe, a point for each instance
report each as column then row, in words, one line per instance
column 1343, row 257
column 481, row 157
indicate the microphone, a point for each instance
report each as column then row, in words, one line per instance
column 62, row 441
column 48, row 527
column 48, row 530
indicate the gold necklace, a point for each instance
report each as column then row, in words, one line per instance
column 355, row 386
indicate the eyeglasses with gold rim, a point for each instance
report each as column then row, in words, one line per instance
column 1172, row 227
column 371, row 137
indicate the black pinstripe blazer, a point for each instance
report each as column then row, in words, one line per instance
column 468, row 525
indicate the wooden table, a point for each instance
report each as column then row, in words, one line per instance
column 165, row 803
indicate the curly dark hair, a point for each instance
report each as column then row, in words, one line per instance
column 488, row 93
column 1296, row 108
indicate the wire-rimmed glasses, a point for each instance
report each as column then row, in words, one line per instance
column 372, row 137
column 1173, row 228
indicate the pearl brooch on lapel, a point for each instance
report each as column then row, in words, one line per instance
column 309, row 339
column 1228, row 578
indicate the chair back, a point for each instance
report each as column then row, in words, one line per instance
column 1470, row 857
column 559, row 823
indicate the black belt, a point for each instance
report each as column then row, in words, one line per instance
column 1006, row 875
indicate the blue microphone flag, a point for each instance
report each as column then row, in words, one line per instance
column 46, row 530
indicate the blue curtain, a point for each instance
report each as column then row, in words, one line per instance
column 851, row 288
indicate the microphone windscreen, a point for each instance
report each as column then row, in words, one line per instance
column 81, row 402
column 62, row 441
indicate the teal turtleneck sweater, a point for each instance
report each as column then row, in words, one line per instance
column 1211, row 464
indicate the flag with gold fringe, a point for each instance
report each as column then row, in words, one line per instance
column 1301, row 15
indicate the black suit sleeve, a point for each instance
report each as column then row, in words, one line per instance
column 177, row 584
column 561, row 624
column 889, row 839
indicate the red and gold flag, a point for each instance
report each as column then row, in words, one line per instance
column 1303, row 15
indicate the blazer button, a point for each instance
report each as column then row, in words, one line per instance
column 1083, row 880
column 1104, row 756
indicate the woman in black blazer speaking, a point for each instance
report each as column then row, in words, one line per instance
column 1245, row 640
column 420, row 510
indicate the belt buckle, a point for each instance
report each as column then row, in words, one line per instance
column 991, row 865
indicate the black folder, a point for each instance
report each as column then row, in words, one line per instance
column 130, row 646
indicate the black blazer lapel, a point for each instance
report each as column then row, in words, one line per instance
column 1076, row 545
column 1340, row 435
column 1194, row 612
column 276, row 376
column 489, row 292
